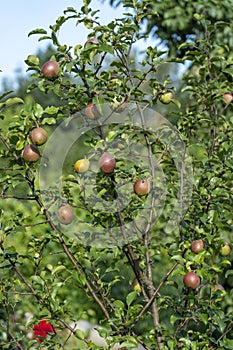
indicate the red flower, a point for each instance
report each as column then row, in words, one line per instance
column 42, row 329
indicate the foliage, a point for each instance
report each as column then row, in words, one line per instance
column 175, row 22
column 54, row 275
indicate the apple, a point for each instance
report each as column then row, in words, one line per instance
column 50, row 69
column 191, row 280
column 225, row 249
column 142, row 187
column 107, row 163
column 228, row 97
column 166, row 96
column 197, row 246
column 65, row 214
column 31, row 153
column 92, row 111
column 38, row 136
column 81, row 166
column 94, row 41
column 136, row 286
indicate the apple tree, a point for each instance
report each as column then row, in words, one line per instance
column 116, row 203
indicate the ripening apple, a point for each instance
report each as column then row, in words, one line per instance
column 31, row 153
column 191, row 280
column 228, row 97
column 65, row 214
column 197, row 246
column 38, row 136
column 166, row 96
column 82, row 165
column 142, row 187
column 50, row 69
column 225, row 249
column 107, row 163
column 92, row 111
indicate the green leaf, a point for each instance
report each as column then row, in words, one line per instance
column 11, row 101
column 20, row 144
column 49, row 121
column 228, row 343
column 32, row 60
column 51, row 110
column 106, row 48
column 129, row 343
column 37, row 31
column 58, row 269
column 131, row 297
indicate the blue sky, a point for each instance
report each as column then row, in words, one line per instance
column 19, row 17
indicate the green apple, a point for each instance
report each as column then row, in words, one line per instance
column 166, row 96
column 225, row 249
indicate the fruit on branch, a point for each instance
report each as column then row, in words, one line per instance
column 191, row 280
column 107, row 163
column 65, row 214
column 92, row 111
column 82, row 165
column 225, row 249
column 197, row 246
column 142, row 187
column 38, row 136
column 228, row 97
column 166, row 96
column 136, row 286
column 50, row 69
column 94, row 41
column 31, row 153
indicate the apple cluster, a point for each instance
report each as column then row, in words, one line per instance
column 107, row 164
column 38, row 137
column 191, row 279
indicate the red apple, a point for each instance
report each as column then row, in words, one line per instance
column 191, row 280
column 65, row 214
column 31, row 153
column 92, row 111
column 107, row 163
column 142, row 187
column 38, row 136
column 197, row 246
column 50, row 69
